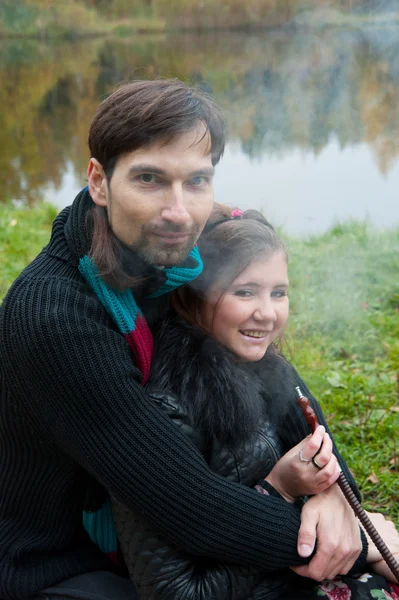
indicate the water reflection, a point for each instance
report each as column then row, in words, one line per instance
column 313, row 116
column 306, row 193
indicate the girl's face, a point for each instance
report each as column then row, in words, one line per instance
column 251, row 313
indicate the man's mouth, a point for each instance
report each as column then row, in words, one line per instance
column 171, row 235
column 171, row 238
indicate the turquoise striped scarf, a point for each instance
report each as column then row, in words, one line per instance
column 125, row 312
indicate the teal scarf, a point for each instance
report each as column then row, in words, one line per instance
column 125, row 312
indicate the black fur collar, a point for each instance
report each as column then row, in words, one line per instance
column 226, row 399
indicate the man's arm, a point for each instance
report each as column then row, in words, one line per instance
column 75, row 377
column 341, row 547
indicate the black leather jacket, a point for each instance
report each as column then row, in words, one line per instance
column 199, row 384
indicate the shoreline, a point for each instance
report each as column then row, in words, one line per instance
column 151, row 26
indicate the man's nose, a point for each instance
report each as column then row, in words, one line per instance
column 175, row 210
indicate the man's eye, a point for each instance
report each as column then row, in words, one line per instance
column 199, row 180
column 148, row 178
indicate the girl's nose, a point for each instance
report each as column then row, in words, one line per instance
column 266, row 312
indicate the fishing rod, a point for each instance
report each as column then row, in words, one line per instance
column 347, row 491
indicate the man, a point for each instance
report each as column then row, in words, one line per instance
column 76, row 348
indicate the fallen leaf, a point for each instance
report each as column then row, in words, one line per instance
column 394, row 408
column 373, row 478
column 334, row 379
column 386, row 470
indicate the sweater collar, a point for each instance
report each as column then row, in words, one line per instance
column 76, row 233
column 71, row 239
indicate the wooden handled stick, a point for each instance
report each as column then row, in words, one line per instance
column 343, row 483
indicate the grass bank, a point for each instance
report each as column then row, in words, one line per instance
column 71, row 20
column 55, row 19
column 343, row 336
column 344, row 339
column 49, row 20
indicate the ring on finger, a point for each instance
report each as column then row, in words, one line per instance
column 302, row 458
column 316, row 464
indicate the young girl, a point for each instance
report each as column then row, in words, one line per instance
column 219, row 375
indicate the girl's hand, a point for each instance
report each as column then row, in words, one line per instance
column 296, row 475
column 381, row 568
column 390, row 535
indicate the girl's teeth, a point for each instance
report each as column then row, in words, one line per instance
column 255, row 334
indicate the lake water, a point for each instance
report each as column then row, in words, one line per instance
column 313, row 116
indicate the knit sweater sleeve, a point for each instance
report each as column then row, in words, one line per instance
column 160, row 570
column 76, row 382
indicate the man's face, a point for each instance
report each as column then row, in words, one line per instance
column 160, row 196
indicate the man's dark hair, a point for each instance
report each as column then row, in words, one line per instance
column 140, row 113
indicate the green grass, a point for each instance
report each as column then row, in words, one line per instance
column 23, row 233
column 343, row 335
column 344, row 340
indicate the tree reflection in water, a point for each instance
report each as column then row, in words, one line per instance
column 281, row 90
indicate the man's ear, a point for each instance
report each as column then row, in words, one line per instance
column 97, row 181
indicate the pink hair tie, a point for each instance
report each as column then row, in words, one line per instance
column 235, row 214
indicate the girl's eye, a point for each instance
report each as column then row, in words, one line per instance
column 244, row 293
column 279, row 293
column 148, row 178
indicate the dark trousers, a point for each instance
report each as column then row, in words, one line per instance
column 98, row 585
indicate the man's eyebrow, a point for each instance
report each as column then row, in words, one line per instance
column 143, row 168
column 147, row 168
column 208, row 171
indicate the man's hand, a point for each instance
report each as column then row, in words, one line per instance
column 329, row 519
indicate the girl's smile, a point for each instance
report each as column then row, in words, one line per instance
column 249, row 316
